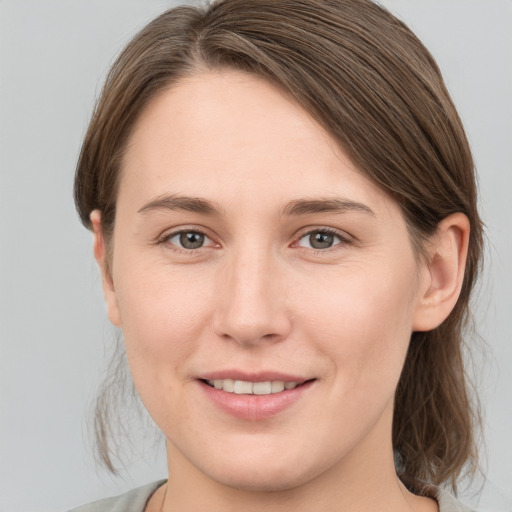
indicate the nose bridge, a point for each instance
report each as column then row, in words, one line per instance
column 250, row 309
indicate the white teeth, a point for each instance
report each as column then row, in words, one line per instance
column 228, row 385
column 262, row 388
column 242, row 387
column 277, row 386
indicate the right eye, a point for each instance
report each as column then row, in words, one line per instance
column 188, row 240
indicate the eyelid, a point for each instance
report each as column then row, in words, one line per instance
column 167, row 235
column 344, row 237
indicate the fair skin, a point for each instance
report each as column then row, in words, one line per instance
column 295, row 264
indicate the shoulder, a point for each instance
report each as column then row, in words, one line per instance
column 132, row 501
column 447, row 503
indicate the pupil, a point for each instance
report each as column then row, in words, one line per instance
column 191, row 240
column 321, row 240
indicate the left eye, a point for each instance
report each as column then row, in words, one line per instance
column 319, row 240
column 189, row 240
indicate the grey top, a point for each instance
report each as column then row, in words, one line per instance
column 136, row 500
column 132, row 501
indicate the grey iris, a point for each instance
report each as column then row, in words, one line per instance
column 321, row 240
column 191, row 240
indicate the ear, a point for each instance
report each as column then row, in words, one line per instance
column 100, row 253
column 443, row 272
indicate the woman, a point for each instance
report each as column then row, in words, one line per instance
column 284, row 213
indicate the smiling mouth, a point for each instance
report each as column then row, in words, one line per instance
column 242, row 387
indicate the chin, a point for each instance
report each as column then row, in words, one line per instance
column 258, row 482
column 263, row 474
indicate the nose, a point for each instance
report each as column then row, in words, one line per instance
column 251, row 307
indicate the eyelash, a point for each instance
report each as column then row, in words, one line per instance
column 165, row 239
column 343, row 240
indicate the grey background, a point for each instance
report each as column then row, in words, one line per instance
column 53, row 329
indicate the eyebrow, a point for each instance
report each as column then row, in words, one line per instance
column 294, row 208
column 324, row 205
column 189, row 204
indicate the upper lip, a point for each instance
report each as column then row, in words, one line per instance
column 261, row 376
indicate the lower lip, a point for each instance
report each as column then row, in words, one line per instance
column 255, row 407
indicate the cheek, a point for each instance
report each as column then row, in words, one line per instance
column 163, row 317
column 163, row 312
column 362, row 321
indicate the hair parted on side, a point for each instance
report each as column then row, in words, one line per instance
column 367, row 79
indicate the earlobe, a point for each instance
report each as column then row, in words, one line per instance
column 100, row 254
column 443, row 272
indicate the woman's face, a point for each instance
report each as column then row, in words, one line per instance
column 251, row 256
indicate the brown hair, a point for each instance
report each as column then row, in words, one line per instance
column 370, row 82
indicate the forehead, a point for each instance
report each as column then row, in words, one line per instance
column 233, row 135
